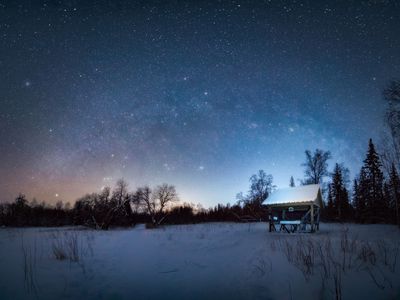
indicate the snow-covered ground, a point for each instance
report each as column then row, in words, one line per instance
column 203, row 261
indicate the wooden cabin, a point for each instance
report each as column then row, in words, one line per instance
column 295, row 209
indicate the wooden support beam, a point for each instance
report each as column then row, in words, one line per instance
column 270, row 218
column 312, row 217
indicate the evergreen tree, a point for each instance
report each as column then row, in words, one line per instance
column 339, row 194
column 328, row 211
column 388, row 198
column 371, row 187
column 360, row 197
column 292, row 184
column 393, row 194
column 356, row 200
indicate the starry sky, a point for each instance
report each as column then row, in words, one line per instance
column 199, row 94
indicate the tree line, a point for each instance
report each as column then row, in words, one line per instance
column 375, row 190
column 371, row 197
column 118, row 208
column 110, row 207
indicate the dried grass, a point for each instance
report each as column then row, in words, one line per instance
column 319, row 256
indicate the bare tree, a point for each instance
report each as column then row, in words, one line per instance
column 122, row 197
column 260, row 188
column 390, row 152
column 316, row 166
column 392, row 91
column 59, row 205
column 143, row 197
column 120, row 191
column 105, row 194
column 109, row 207
column 156, row 202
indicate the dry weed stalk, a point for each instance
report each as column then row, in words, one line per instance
column 310, row 255
column 30, row 266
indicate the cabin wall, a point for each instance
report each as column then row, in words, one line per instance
column 283, row 213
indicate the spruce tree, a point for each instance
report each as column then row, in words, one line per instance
column 356, row 200
column 360, row 197
column 292, row 184
column 388, row 198
column 339, row 194
column 394, row 194
column 372, row 186
column 329, row 209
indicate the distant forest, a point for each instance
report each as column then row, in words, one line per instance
column 371, row 197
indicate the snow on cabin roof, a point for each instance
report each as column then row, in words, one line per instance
column 296, row 195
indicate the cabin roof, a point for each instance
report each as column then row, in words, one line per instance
column 305, row 194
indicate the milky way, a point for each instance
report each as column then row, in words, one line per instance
column 200, row 95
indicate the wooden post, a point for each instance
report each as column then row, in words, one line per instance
column 270, row 218
column 312, row 217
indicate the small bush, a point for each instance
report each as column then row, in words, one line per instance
column 367, row 254
column 67, row 246
column 150, row 226
column 58, row 252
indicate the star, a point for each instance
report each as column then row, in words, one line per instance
column 228, row 93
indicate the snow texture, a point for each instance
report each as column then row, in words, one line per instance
column 203, row 261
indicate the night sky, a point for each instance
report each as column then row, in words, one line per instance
column 197, row 94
